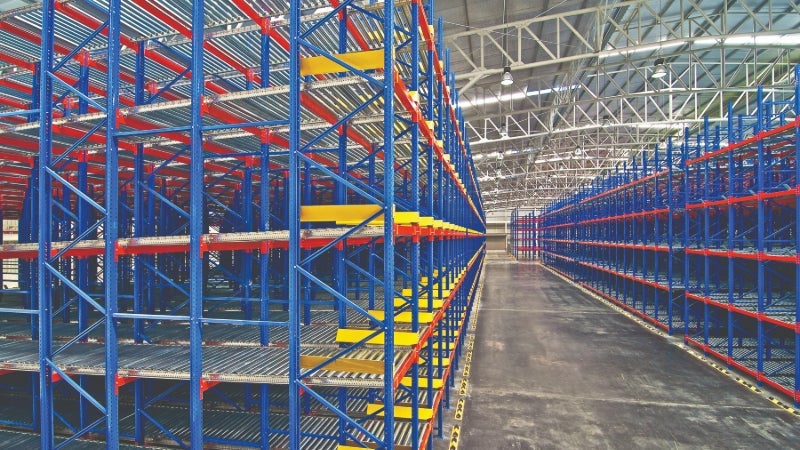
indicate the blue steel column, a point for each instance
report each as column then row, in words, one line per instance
column 264, row 273
column 246, row 271
column 196, row 229
column 139, row 283
column 731, row 233
column 430, row 86
column 686, row 282
column 111, row 228
column 292, row 185
column 82, row 274
column 670, row 236
column 45, row 197
column 264, row 266
column 759, row 172
column 706, row 242
column 797, row 240
column 83, row 83
column 388, row 227
column 415, row 255
column 33, row 224
column 340, row 253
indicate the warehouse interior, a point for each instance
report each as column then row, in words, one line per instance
column 583, row 214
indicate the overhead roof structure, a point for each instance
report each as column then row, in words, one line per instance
column 584, row 98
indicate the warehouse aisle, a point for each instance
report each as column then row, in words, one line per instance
column 554, row 368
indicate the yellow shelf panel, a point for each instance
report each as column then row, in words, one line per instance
column 423, row 303
column 423, row 294
column 401, row 412
column 404, row 317
column 406, row 217
column 322, row 65
column 423, row 382
column 338, row 213
column 353, row 335
column 351, row 365
column 445, row 361
column 447, row 346
column 453, row 333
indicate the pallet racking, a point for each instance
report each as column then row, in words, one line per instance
column 523, row 241
column 279, row 252
column 700, row 238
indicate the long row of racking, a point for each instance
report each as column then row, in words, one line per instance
column 247, row 224
column 523, row 244
column 700, row 237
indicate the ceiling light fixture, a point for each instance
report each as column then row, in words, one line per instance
column 659, row 66
column 507, row 79
column 659, row 69
column 503, row 132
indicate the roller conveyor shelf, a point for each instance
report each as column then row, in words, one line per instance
column 172, row 244
column 25, row 441
column 319, row 432
column 321, row 332
column 781, row 309
column 267, row 365
column 231, row 400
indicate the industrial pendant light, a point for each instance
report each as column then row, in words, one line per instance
column 659, row 66
column 507, row 79
column 659, row 69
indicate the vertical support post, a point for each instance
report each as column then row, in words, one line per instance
column 139, row 282
column 761, row 265
column 797, row 239
column 266, row 26
column 340, row 253
column 292, row 186
column 731, row 232
column 246, row 270
column 111, row 229
column 686, row 215
column 247, row 226
column 264, row 273
column 196, row 260
column 671, row 210
column 388, row 219
column 82, row 274
column 45, row 223
column 415, row 200
column 83, row 83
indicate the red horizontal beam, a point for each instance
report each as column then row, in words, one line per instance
column 745, row 143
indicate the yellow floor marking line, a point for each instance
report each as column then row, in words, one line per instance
column 459, row 409
column 454, row 437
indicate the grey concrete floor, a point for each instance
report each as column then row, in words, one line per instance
column 555, row 368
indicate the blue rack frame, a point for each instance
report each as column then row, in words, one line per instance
column 218, row 232
column 700, row 238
